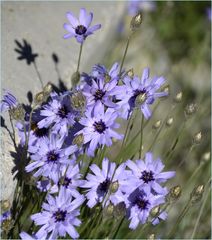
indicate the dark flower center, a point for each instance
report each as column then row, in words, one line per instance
column 99, row 126
column 147, row 176
column 39, row 132
column 103, row 187
column 60, row 215
column 63, row 112
column 141, row 203
column 52, row 156
column 99, row 94
column 66, row 181
column 80, row 30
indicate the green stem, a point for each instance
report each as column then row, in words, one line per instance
column 141, row 138
column 79, row 58
column 119, row 226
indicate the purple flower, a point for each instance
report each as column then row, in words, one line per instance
column 98, row 128
column 149, row 173
column 58, row 113
column 162, row 216
column 5, row 216
column 135, row 6
column 100, row 182
column 49, row 157
column 26, row 236
column 59, row 215
column 9, row 101
column 139, row 204
column 140, row 93
column 81, row 28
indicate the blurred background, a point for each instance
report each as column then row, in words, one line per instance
column 174, row 41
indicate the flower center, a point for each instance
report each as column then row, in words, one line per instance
column 99, row 126
column 141, row 203
column 80, row 30
column 39, row 132
column 140, row 96
column 63, row 112
column 52, row 156
column 103, row 187
column 147, row 176
column 60, row 215
column 99, row 94
column 66, row 181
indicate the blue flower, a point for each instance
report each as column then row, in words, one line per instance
column 59, row 215
column 140, row 93
column 81, row 28
column 149, row 173
column 9, row 101
column 49, row 157
column 5, row 216
column 102, row 180
column 98, row 127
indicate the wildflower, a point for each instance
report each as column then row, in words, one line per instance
column 149, row 172
column 26, row 236
column 5, row 216
column 98, row 128
column 139, row 205
column 136, row 21
column 100, row 182
column 9, row 102
column 59, row 216
column 59, row 113
column 80, row 29
column 49, row 157
column 140, row 93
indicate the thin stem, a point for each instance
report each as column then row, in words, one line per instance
column 119, row 226
column 12, row 128
column 183, row 160
column 125, row 53
column 141, row 138
column 79, row 58
column 38, row 73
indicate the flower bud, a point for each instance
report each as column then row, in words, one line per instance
column 75, row 78
column 178, row 97
column 196, row 194
column 169, row 122
column 17, row 113
column 78, row 140
column 107, row 78
column 47, row 89
column 5, row 205
column 78, row 100
column 197, row 138
column 130, row 73
column 120, row 209
column 157, row 124
column 136, row 22
column 174, row 194
column 155, row 211
column 109, row 210
column 140, row 99
column 190, row 109
column 151, row 237
column 206, row 156
column 39, row 98
column 114, row 186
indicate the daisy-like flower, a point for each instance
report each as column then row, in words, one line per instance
column 58, row 113
column 59, row 216
column 98, row 128
column 8, row 102
column 140, row 93
column 102, row 180
column 139, row 204
column 81, row 28
column 149, row 173
column 49, row 157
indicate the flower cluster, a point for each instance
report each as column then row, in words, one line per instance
column 81, row 122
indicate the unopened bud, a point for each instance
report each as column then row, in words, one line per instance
column 78, row 100
column 174, row 193
column 197, row 138
column 206, row 156
column 190, row 109
column 169, row 122
column 140, row 99
column 47, row 89
column 114, row 186
column 151, row 237
column 109, row 210
column 5, row 205
column 17, row 113
column 155, row 211
column 130, row 73
column 107, row 78
column 75, row 78
column 136, row 22
column 120, row 209
column 78, row 140
column 157, row 124
column 39, row 98
column 196, row 194
column 178, row 97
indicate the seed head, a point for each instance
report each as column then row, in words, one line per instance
column 39, row 98
column 178, row 97
column 155, row 211
column 78, row 140
column 114, row 186
column 169, row 122
column 196, row 194
column 190, row 109
column 151, row 237
column 136, row 22
column 47, row 89
column 17, row 113
column 78, row 100
column 75, row 78
column 130, row 73
column 174, row 194
column 197, row 138
column 157, row 124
